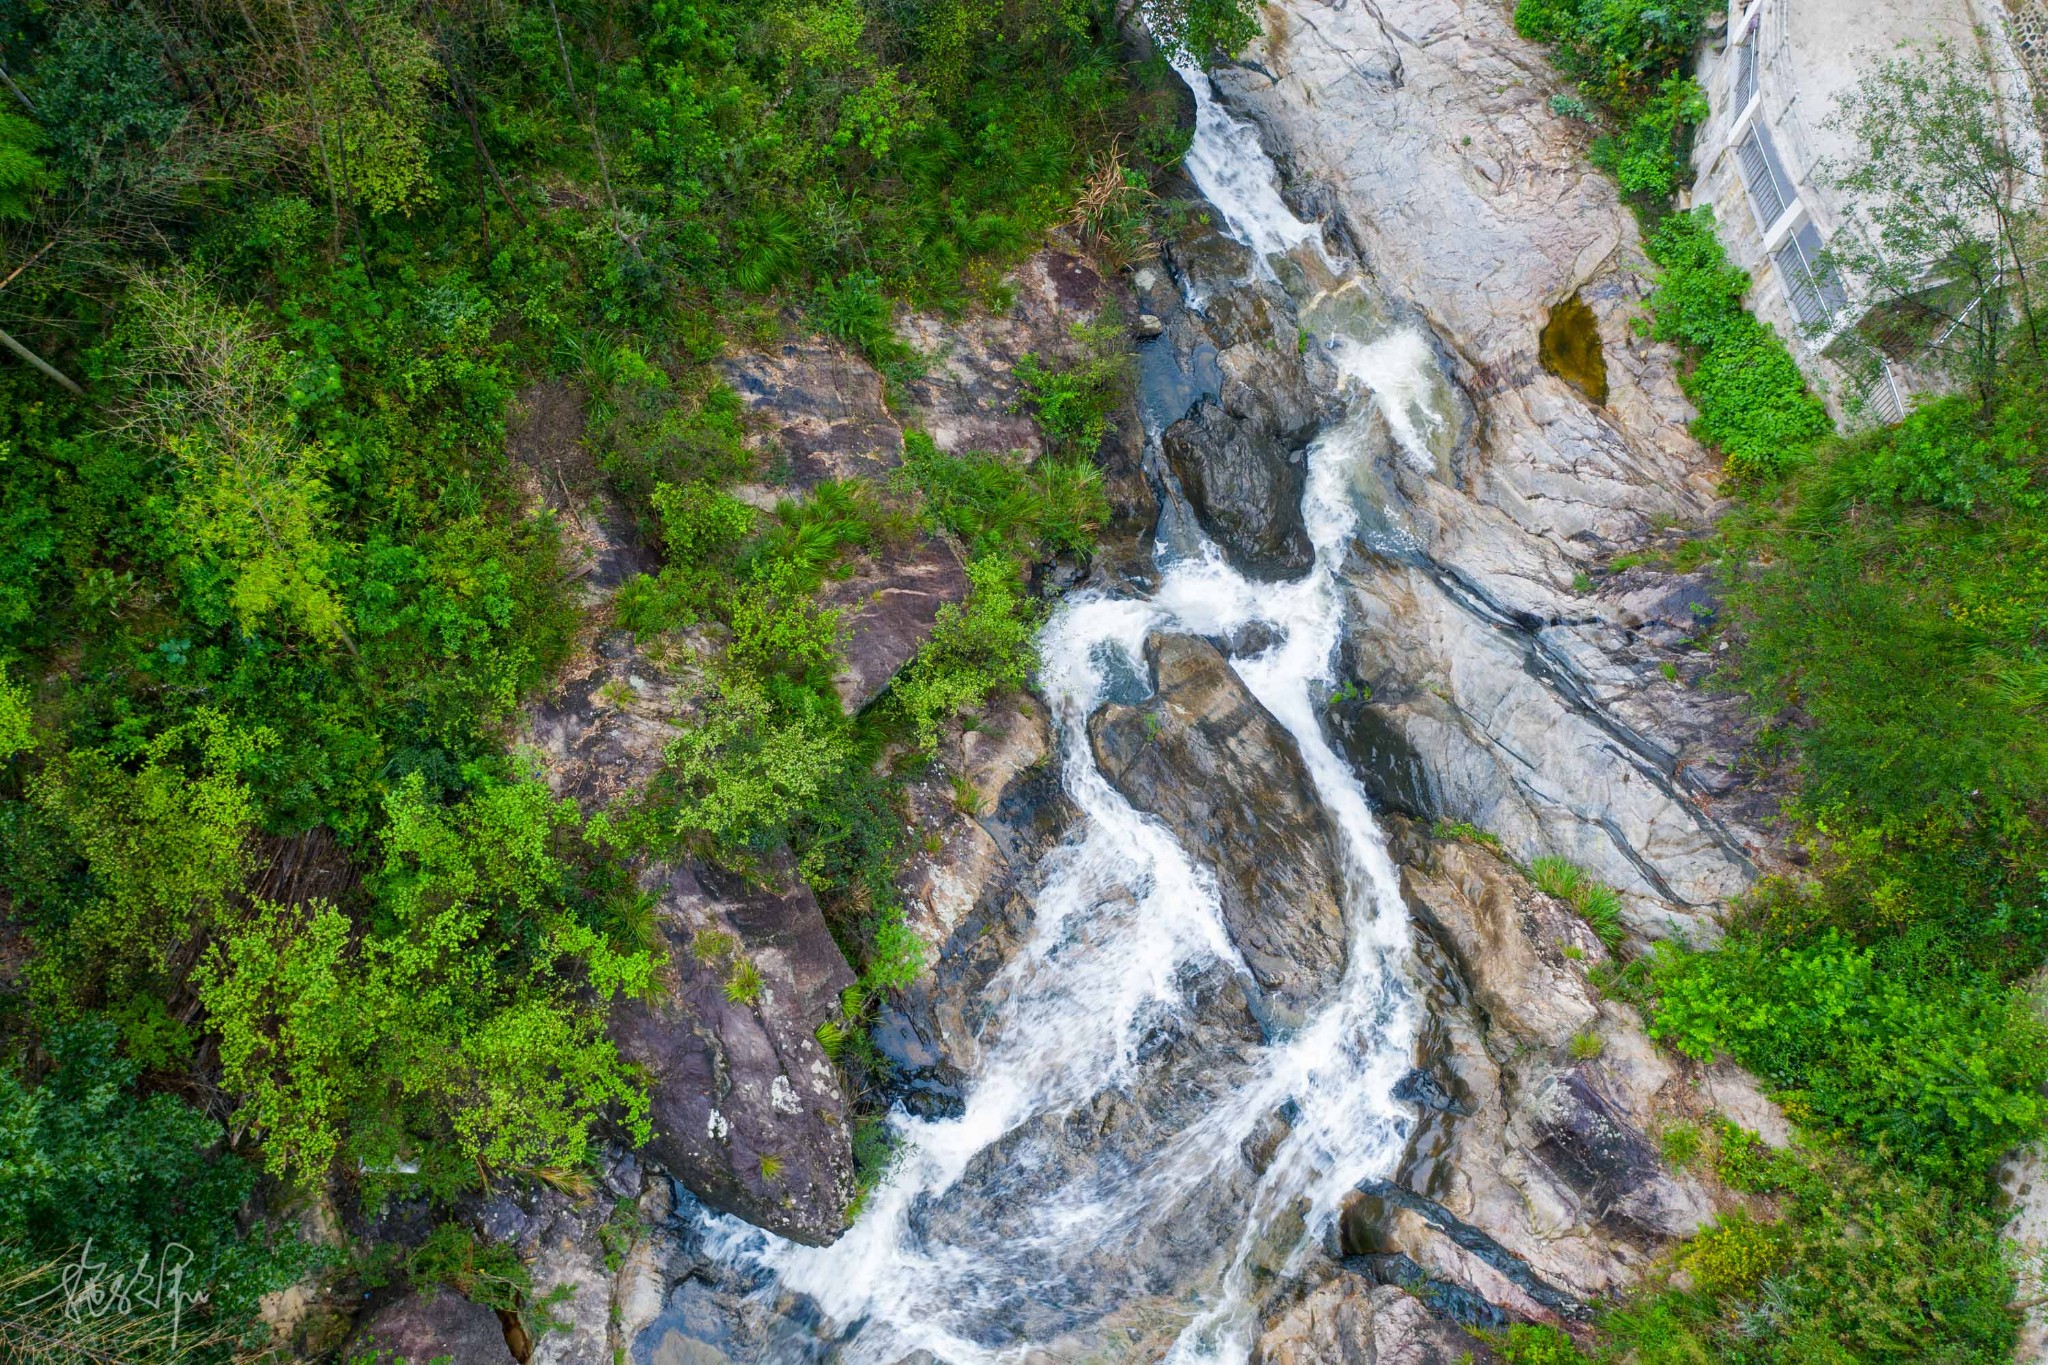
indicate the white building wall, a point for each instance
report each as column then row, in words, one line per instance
column 1805, row 54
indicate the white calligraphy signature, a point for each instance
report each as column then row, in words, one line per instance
column 92, row 1289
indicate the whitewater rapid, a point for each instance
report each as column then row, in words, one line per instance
column 1126, row 919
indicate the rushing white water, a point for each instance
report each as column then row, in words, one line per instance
column 1125, row 923
column 1237, row 177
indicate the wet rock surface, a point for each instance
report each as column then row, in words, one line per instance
column 1052, row 1277
column 1245, row 486
column 1204, row 757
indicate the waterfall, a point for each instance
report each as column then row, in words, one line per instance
column 1126, row 923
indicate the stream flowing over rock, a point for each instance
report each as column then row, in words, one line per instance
column 1205, row 758
column 1225, row 1048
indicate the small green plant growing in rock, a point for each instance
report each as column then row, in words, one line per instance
column 615, row 694
column 1574, row 952
column 831, row 1036
column 743, row 983
column 1585, row 1045
column 1351, row 690
column 1582, row 583
column 1595, row 901
column 1669, row 670
column 1465, row 832
column 1743, row 1160
column 966, row 796
column 1535, row 1344
column 1680, row 1145
column 712, row 945
column 1153, row 724
column 771, row 1166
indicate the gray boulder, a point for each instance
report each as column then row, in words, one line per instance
column 1206, row 758
column 1351, row 1321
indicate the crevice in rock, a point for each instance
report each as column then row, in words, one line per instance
column 1471, row 1239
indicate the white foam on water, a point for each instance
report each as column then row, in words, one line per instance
column 1237, row 177
column 1124, row 913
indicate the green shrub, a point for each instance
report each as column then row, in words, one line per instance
column 1073, row 406
column 974, row 651
column 1596, row 902
column 451, row 1033
column 1893, row 596
column 1864, row 1266
column 1942, row 1076
column 1527, row 1343
column 1052, row 506
column 1732, row 1257
column 1753, row 402
column 86, row 1159
column 1679, row 1145
column 1619, row 50
column 1650, row 157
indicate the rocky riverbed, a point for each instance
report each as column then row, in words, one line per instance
column 1230, row 1045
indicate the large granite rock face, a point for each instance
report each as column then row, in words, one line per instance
column 1351, row 1321
column 1533, row 1180
column 748, row 1111
column 1206, row 758
column 1506, row 693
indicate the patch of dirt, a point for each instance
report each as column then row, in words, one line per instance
column 545, row 433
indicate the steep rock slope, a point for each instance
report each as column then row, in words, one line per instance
column 1418, row 130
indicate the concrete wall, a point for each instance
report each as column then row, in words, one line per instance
column 1807, row 53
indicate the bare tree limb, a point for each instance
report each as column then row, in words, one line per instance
column 45, row 366
column 26, row 101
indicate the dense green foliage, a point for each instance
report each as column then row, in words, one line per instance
column 1888, row 594
column 91, row 1171
column 454, row 1034
column 273, row 592
column 1629, row 58
column 1888, row 997
column 1753, row 402
column 1861, row 1266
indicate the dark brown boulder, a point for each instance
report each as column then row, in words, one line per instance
column 888, row 609
column 748, row 1111
column 1246, row 487
column 428, row 1328
column 1205, row 757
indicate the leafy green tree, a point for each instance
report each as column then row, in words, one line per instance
column 1943, row 213
column 453, row 1032
column 122, row 865
column 253, row 498
column 90, row 1169
column 22, row 173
